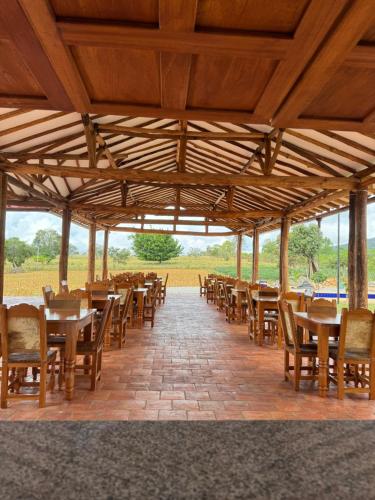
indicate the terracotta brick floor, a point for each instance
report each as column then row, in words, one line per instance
column 192, row 366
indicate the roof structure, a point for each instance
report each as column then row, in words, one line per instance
column 215, row 113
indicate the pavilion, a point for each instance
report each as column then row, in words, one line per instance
column 251, row 118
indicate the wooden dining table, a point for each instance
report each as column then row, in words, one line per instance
column 70, row 323
column 98, row 302
column 323, row 327
column 264, row 303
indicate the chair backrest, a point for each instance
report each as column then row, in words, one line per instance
column 200, row 280
column 48, row 294
column 288, row 324
column 23, row 329
column 268, row 292
column 64, row 286
column 250, row 303
column 254, row 286
column 357, row 332
column 98, row 286
column 67, row 303
column 83, row 295
column 323, row 306
column 295, row 300
column 122, row 289
column 166, row 280
column 106, row 317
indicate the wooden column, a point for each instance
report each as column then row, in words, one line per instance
column 239, row 255
column 255, row 269
column 352, row 251
column 64, row 249
column 3, row 205
column 284, row 245
column 105, row 255
column 357, row 250
column 91, row 253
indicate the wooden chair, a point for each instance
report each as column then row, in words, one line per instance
column 322, row 306
column 65, row 303
column 120, row 322
column 270, row 320
column 64, row 287
column 24, row 345
column 297, row 301
column 230, row 306
column 149, row 308
column 253, row 324
column 98, row 286
column 202, row 286
column 356, row 350
column 48, row 294
column 92, row 351
column 294, row 346
column 163, row 291
column 83, row 296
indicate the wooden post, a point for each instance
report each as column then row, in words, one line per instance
column 91, row 253
column 3, row 206
column 64, row 249
column 105, row 255
column 361, row 254
column 239, row 252
column 284, row 244
column 357, row 250
column 255, row 270
column 352, row 251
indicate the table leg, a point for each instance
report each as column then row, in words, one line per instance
column 87, row 337
column 323, row 361
column 140, row 310
column 70, row 361
column 239, row 308
column 261, row 323
column 107, row 333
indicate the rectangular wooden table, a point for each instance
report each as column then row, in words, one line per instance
column 69, row 323
column 264, row 303
column 323, row 327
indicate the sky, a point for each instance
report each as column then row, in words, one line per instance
column 24, row 225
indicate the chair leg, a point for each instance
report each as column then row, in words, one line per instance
column 286, row 365
column 94, row 371
column 60, row 378
column 42, row 386
column 340, row 380
column 51, row 383
column 297, row 372
column 372, row 380
column 4, row 385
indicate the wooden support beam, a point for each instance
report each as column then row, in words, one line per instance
column 177, row 134
column 178, row 178
column 166, row 222
column 64, row 249
column 357, row 250
column 90, row 139
column 229, row 196
column 3, row 203
column 255, row 266
column 137, row 210
column 91, row 253
column 105, row 255
column 181, row 148
column 239, row 256
column 284, row 264
column 165, row 231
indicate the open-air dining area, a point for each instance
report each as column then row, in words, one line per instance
column 187, row 251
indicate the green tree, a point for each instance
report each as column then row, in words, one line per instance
column 119, row 255
column 156, row 247
column 73, row 250
column 226, row 250
column 271, row 249
column 46, row 244
column 16, row 252
column 306, row 242
column 195, row 252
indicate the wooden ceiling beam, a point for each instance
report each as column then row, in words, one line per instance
column 174, row 232
column 186, row 177
column 90, row 135
column 163, row 222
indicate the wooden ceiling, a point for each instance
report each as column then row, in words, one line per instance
column 253, row 109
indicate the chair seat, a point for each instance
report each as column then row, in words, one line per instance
column 29, row 357
column 56, row 340
column 309, row 348
column 351, row 355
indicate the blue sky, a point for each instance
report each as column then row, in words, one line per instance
column 25, row 224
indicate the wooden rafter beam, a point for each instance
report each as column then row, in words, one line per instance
column 137, row 210
column 181, row 148
column 53, row 156
column 164, row 222
column 165, row 231
column 177, row 134
column 178, row 178
column 90, row 135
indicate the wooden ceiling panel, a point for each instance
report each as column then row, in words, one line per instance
column 343, row 96
column 138, row 11
column 115, row 75
column 281, row 16
column 230, row 83
column 16, row 78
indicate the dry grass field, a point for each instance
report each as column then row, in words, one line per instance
column 182, row 271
